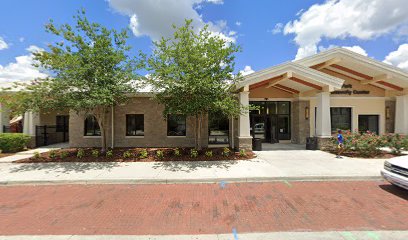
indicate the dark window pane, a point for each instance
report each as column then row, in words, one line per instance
column 340, row 118
column 218, row 129
column 283, row 107
column 134, row 125
column 261, row 107
column 62, row 123
column 176, row 125
column 368, row 123
column 92, row 126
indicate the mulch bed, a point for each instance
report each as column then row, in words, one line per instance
column 382, row 155
column 118, row 156
column 6, row 154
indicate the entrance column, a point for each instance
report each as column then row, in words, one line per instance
column 4, row 117
column 244, row 134
column 323, row 123
column 401, row 115
column 30, row 120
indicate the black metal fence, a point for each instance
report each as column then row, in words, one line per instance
column 6, row 129
column 50, row 134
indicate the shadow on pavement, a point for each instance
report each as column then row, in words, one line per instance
column 397, row 191
column 63, row 167
column 184, row 166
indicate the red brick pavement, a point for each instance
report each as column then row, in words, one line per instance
column 202, row 208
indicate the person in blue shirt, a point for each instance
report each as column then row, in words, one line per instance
column 340, row 145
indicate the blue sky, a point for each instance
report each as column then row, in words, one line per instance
column 270, row 32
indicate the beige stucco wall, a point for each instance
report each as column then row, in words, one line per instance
column 271, row 92
column 155, row 128
column 371, row 106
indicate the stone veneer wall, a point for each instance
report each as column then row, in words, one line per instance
column 155, row 128
column 300, row 126
column 390, row 123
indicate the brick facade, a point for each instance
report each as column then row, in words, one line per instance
column 155, row 128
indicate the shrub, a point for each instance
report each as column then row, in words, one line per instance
column 143, row 153
column 242, row 153
column 226, row 152
column 193, row 153
column 81, row 153
column 159, row 154
column 209, row 153
column 109, row 153
column 366, row 144
column 396, row 143
column 95, row 153
column 127, row 154
column 177, row 152
column 53, row 154
column 63, row 154
column 13, row 142
column 36, row 155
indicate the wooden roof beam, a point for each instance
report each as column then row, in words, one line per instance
column 381, row 77
column 298, row 80
column 326, row 64
column 286, row 89
column 352, row 72
column 276, row 80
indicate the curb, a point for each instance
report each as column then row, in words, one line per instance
column 193, row 181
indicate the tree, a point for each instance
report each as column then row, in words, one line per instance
column 192, row 73
column 90, row 71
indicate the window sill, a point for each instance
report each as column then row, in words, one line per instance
column 92, row 136
column 134, row 136
column 176, row 136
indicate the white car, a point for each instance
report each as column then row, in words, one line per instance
column 396, row 171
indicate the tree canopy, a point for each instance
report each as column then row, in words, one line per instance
column 89, row 71
column 192, row 74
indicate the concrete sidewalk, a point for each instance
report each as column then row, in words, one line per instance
column 346, row 235
column 30, row 153
column 268, row 166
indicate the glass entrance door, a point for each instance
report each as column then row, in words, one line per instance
column 271, row 122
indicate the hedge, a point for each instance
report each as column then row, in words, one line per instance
column 13, row 142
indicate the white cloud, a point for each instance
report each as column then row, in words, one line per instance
column 277, row 29
column 354, row 48
column 338, row 19
column 154, row 18
column 21, row 39
column 238, row 23
column 3, row 44
column 357, row 49
column 398, row 58
column 21, row 70
column 247, row 70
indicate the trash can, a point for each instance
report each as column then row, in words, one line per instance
column 311, row 143
column 257, row 144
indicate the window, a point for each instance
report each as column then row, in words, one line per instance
column 62, row 122
column 368, row 123
column 92, row 126
column 340, row 118
column 218, row 128
column 134, row 125
column 176, row 125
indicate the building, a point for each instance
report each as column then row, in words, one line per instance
column 314, row 96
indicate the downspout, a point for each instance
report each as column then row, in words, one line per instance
column 113, row 127
column 232, row 133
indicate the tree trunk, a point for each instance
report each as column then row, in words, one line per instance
column 100, row 115
column 199, row 120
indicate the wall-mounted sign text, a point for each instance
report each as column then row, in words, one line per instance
column 347, row 89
